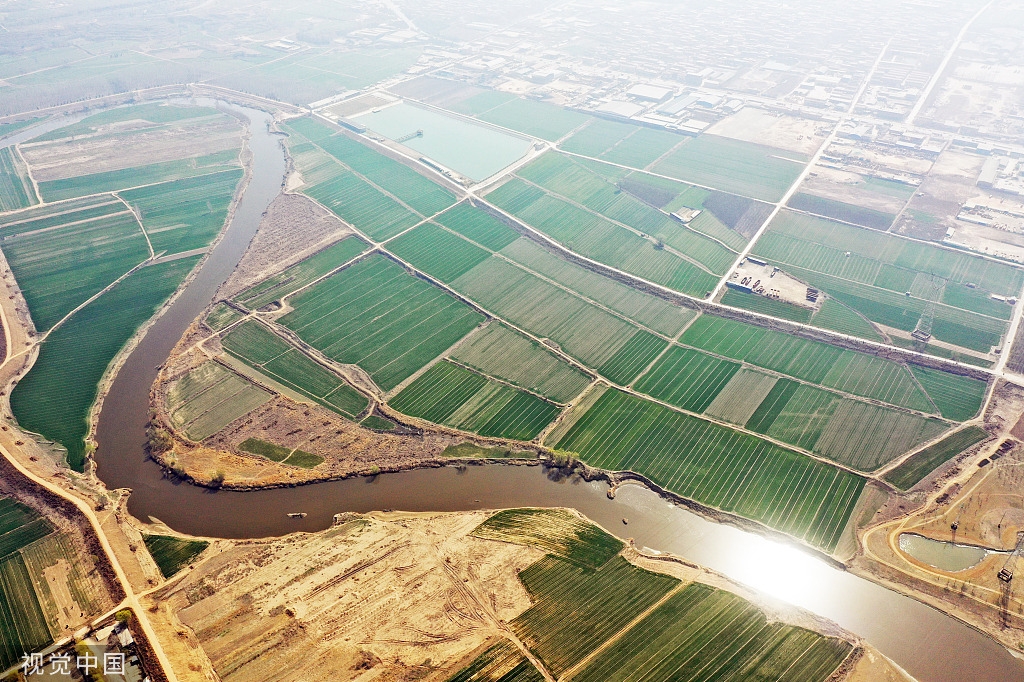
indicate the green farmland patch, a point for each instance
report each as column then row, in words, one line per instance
column 502, row 662
column 843, row 319
column 920, row 464
column 264, row 448
column 302, row 273
column 766, row 306
column 633, row 357
column 687, row 378
column 597, row 137
column 838, row 210
column 704, row 633
column 377, row 315
column 222, row 315
column 185, row 214
column 303, row 460
column 20, row 526
column 155, row 113
column 437, row 252
column 556, row 531
column 172, row 554
column 505, row 354
column 62, row 256
column 257, row 346
column 742, row 168
column 576, row 609
column 449, row 394
column 717, row 466
column 54, row 398
column 209, row 398
column 378, row 423
column 478, row 226
column 958, row 397
column 16, row 190
column 534, row 118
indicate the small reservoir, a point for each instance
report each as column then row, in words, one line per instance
column 473, row 149
column 946, row 556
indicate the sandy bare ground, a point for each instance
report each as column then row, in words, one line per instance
column 849, row 188
column 384, row 597
column 58, row 159
column 775, row 130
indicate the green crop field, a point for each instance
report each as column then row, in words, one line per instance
column 642, row 147
column 847, row 213
column 302, row 273
column 349, row 196
column 577, row 182
column 209, row 398
column 222, row 315
column 378, row 316
column 54, row 398
column 502, row 662
column 843, row 319
column 597, row 137
column 555, row 531
column 576, row 609
column 716, row 466
column 738, row 400
column 257, row 346
column 766, row 306
column 958, row 397
column 478, row 226
column 687, row 378
column 481, row 102
column 452, row 395
column 541, row 120
column 172, row 554
column 437, row 252
column 819, row 363
column 894, row 281
column 23, row 625
column 138, row 176
column 920, row 464
column 743, row 168
column 652, row 312
column 701, row 633
column 154, row 113
column 16, row 190
column 581, row 329
column 186, row 214
column 61, row 257
column 505, row 354
column 599, row 239
column 256, row 446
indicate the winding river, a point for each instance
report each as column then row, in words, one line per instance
column 927, row 643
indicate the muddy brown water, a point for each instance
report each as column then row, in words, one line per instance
column 928, row 644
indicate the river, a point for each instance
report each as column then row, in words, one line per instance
column 927, row 643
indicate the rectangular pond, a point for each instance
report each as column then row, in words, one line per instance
column 473, row 149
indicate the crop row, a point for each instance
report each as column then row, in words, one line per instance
column 171, row 554
column 449, row 394
column 500, row 352
column 716, row 466
column 556, row 531
column 378, row 316
column 16, row 189
column 502, row 662
column 920, row 464
column 260, row 348
column 22, row 623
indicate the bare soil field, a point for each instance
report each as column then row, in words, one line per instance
column 293, row 227
column 934, row 208
column 882, row 158
column 59, row 159
column 849, row 188
column 775, row 130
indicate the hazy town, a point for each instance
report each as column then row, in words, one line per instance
column 522, row 341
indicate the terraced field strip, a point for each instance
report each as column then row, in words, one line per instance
column 16, row 190
column 209, row 398
column 576, row 182
column 575, row 609
column 599, row 239
column 502, row 662
column 449, row 394
column 378, row 316
column 23, row 625
column 61, row 257
column 812, row 361
column 349, row 196
column 582, row 330
column 185, row 214
column 742, row 168
column 302, row 273
column 874, row 273
column 910, row 472
column 54, row 398
column 687, row 378
column 505, row 354
column 706, row 634
column 716, row 466
column 556, row 531
column 257, row 346
column 171, row 554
